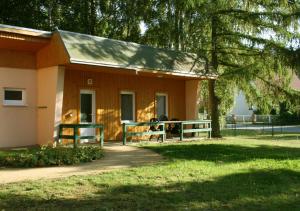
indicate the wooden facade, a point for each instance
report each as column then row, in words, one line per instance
column 108, row 87
column 51, row 73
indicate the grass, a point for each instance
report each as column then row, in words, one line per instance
column 235, row 173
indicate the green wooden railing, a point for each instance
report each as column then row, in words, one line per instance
column 205, row 123
column 126, row 133
column 76, row 137
column 206, row 127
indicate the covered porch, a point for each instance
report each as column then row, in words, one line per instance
column 99, row 96
column 111, row 82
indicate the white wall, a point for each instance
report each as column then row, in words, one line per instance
column 241, row 107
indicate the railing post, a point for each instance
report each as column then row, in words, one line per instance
column 164, row 135
column 181, row 131
column 101, row 135
column 60, row 132
column 209, row 132
column 124, row 133
column 76, row 136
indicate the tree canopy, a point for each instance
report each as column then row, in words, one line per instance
column 252, row 45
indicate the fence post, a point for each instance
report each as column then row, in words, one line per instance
column 235, row 129
column 164, row 135
column 101, row 136
column 60, row 132
column 76, row 136
column 181, row 131
column 124, row 133
column 272, row 128
column 209, row 132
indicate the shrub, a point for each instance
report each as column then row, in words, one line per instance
column 48, row 156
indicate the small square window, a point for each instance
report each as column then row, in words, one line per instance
column 14, row 97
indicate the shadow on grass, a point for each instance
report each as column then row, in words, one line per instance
column 255, row 190
column 225, row 153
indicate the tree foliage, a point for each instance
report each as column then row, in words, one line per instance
column 252, row 45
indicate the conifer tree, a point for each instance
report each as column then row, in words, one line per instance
column 250, row 45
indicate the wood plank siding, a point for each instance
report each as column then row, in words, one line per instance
column 108, row 87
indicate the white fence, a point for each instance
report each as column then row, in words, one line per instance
column 250, row 118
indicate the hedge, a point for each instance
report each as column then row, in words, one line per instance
column 49, row 156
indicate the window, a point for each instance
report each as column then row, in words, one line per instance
column 161, row 104
column 14, row 97
column 127, row 106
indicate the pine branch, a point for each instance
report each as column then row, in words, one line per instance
column 294, row 96
column 257, row 14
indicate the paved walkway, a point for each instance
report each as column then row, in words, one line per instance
column 116, row 157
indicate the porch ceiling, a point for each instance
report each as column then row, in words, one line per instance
column 22, row 39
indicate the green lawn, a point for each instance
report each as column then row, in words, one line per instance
column 235, row 173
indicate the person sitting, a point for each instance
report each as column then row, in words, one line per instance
column 174, row 128
column 153, row 127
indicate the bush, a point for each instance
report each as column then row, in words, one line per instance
column 288, row 118
column 48, row 156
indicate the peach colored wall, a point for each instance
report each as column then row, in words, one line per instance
column 18, row 124
column 192, row 91
column 50, row 95
column 53, row 53
column 108, row 87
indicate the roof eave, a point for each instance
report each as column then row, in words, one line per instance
column 25, row 31
column 142, row 69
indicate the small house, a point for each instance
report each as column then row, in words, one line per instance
column 49, row 78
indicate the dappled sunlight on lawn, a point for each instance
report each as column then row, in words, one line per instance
column 224, row 174
column 257, row 189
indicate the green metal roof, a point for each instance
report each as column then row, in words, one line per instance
column 87, row 49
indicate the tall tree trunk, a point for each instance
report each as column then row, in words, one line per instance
column 85, row 17
column 214, row 101
column 180, row 26
column 169, row 13
column 176, row 27
column 93, row 17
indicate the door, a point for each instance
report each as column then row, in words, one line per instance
column 87, row 112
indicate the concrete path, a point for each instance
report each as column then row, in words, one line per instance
column 116, row 156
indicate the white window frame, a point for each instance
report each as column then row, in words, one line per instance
column 167, row 103
column 133, row 106
column 14, row 102
column 93, row 93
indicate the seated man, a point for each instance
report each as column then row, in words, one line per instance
column 153, row 127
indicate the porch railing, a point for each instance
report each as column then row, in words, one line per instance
column 126, row 133
column 76, row 137
column 206, row 127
